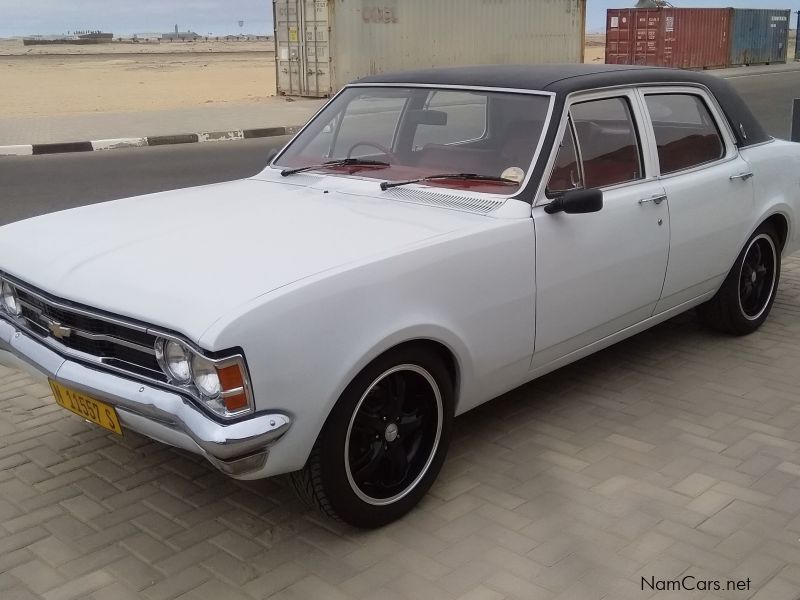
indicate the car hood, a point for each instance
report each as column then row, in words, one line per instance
column 182, row 259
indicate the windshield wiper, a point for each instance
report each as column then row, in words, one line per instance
column 470, row 176
column 341, row 162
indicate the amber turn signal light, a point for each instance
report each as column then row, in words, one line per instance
column 231, row 380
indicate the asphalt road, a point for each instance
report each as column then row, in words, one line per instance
column 40, row 184
column 770, row 96
column 33, row 185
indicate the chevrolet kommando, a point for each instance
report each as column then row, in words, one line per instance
column 427, row 242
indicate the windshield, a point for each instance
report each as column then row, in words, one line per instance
column 404, row 133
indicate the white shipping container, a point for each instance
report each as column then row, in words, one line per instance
column 321, row 45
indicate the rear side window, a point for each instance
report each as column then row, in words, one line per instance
column 607, row 149
column 686, row 134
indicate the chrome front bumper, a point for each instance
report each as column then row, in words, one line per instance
column 236, row 449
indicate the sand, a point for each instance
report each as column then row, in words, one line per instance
column 594, row 51
column 67, row 85
column 71, row 80
column 15, row 47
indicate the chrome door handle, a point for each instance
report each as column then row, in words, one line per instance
column 657, row 199
column 742, row 176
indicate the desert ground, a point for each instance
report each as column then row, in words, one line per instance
column 65, row 80
column 122, row 77
column 15, row 47
column 594, row 50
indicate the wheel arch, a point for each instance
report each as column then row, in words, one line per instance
column 444, row 346
column 780, row 222
column 442, row 350
column 449, row 348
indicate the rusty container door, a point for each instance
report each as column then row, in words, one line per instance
column 759, row 36
column 685, row 38
column 633, row 36
column 302, row 47
column 696, row 38
column 649, row 38
column 619, row 36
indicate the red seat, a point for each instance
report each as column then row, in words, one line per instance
column 610, row 169
column 689, row 151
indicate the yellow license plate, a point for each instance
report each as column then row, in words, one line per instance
column 90, row 409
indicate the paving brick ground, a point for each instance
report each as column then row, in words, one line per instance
column 674, row 453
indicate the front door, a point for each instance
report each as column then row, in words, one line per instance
column 599, row 273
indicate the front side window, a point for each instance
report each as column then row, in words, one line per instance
column 685, row 132
column 422, row 132
column 607, row 141
column 600, row 147
column 567, row 170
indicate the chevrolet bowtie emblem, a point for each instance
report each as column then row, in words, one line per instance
column 58, row 330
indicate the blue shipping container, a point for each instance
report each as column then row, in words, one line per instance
column 759, row 36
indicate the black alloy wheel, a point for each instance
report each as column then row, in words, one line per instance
column 757, row 276
column 745, row 298
column 393, row 434
column 385, row 440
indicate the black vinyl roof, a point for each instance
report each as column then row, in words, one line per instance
column 566, row 79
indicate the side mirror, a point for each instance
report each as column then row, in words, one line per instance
column 576, row 202
column 271, row 155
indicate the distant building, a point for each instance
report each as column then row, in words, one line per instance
column 77, row 38
column 147, row 36
column 180, row 35
column 94, row 35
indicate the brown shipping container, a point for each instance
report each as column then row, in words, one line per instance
column 686, row 38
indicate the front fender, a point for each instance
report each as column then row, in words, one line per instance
column 472, row 292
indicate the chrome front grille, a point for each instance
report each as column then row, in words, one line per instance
column 93, row 337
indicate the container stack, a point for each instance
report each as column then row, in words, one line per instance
column 696, row 38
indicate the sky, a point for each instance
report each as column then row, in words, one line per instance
column 123, row 17
column 218, row 17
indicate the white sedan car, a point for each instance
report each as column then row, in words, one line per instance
column 428, row 241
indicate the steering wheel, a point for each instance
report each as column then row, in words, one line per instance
column 383, row 149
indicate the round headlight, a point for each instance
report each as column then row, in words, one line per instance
column 9, row 299
column 206, row 379
column 176, row 360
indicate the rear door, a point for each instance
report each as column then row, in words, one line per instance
column 599, row 273
column 709, row 190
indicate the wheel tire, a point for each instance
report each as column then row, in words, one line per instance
column 328, row 479
column 745, row 299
